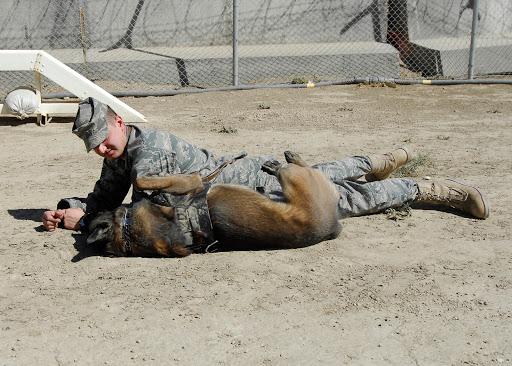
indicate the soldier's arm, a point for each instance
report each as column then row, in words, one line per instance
column 158, row 162
column 109, row 191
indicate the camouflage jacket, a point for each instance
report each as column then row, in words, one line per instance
column 154, row 152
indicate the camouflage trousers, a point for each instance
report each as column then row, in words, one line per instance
column 356, row 198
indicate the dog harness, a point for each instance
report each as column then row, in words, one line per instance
column 193, row 217
column 190, row 213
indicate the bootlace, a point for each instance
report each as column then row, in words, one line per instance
column 453, row 196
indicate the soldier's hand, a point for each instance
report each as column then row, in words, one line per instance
column 52, row 219
column 72, row 218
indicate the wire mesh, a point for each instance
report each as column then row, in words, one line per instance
column 171, row 44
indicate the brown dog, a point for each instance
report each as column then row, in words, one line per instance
column 179, row 221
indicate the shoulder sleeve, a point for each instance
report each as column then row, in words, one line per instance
column 155, row 162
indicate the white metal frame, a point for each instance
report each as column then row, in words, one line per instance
column 44, row 64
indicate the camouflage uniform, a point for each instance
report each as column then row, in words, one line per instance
column 153, row 152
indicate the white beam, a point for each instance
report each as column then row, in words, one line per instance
column 53, row 69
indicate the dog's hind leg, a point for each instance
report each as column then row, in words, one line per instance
column 293, row 176
column 271, row 167
column 294, row 158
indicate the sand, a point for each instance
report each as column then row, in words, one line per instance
column 434, row 288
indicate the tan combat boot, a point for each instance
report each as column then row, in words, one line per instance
column 385, row 164
column 455, row 194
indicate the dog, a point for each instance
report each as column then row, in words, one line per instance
column 187, row 215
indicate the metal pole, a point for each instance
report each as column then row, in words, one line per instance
column 235, row 42
column 84, row 44
column 473, row 39
column 359, row 80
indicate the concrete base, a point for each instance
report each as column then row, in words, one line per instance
column 450, row 56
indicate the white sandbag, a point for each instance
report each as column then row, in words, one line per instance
column 22, row 102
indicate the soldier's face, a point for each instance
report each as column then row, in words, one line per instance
column 113, row 146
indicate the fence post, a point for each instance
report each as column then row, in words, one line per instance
column 84, row 44
column 474, row 28
column 235, row 42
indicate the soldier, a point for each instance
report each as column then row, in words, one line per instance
column 130, row 152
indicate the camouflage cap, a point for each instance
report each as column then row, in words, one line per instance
column 91, row 122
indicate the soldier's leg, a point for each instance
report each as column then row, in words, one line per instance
column 356, row 198
column 247, row 172
column 346, row 169
column 374, row 167
column 359, row 198
column 362, row 198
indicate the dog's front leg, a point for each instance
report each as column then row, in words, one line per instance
column 176, row 184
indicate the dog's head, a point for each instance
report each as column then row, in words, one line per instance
column 105, row 233
column 149, row 230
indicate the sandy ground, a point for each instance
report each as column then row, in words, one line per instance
column 432, row 289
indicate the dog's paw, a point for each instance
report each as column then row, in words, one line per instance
column 294, row 158
column 271, row 167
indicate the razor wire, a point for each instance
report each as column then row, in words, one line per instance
column 152, row 45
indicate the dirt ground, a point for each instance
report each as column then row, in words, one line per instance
column 432, row 289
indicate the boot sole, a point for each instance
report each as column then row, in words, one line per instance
column 484, row 200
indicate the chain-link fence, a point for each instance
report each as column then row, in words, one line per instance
column 169, row 44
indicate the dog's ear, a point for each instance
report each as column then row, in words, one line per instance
column 88, row 220
column 100, row 234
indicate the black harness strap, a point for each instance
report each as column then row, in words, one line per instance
column 125, row 230
column 216, row 172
